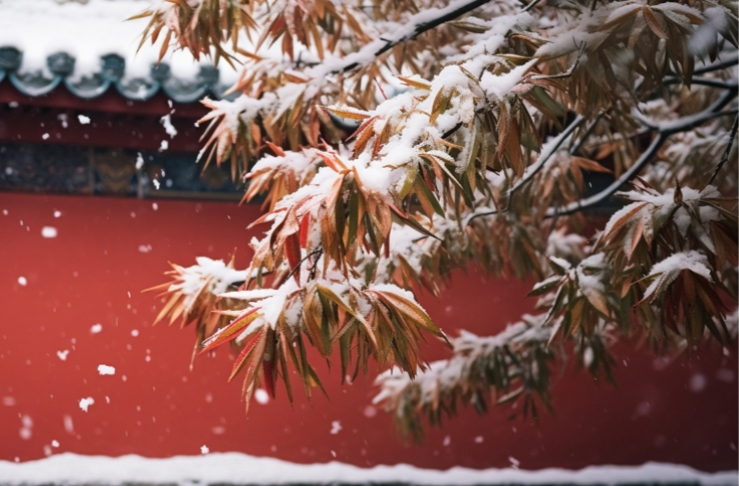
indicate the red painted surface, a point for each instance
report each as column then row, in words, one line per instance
column 95, row 268
column 109, row 102
column 115, row 122
column 33, row 124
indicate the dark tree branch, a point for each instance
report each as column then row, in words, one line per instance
column 663, row 132
column 580, row 141
column 567, row 73
column 692, row 122
column 610, row 190
column 545, row 156
column 727, row 152
column 714, row 83
column 731, row 61
column 421, row 24
column 483, row 214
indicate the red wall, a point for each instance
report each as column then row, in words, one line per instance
column 93, row 272
column 115, row 121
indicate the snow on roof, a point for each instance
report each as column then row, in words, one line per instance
column 237, row 468
column 76, row 41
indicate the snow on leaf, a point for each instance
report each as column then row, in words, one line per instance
column 666, row 271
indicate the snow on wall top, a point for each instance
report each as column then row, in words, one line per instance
column 236, row 468
column 91, row 48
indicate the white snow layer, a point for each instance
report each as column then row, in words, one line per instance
column 237, row 468
column 88, row 31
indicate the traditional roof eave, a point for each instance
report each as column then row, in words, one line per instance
column 111, row 76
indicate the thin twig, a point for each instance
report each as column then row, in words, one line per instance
column 610, row 190
column 544, row 157
column 713, row 83
column 300, row 263
column 486, row 213
column 731, row 61
column 588, row 131
column 662, row 136
column 691, row 122
column 567, row 73
column 725, row 158
column 372, row 51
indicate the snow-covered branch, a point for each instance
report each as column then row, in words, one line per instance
column 530, row 101
column 510, row 366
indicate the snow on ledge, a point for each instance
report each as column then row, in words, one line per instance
column 237, row 468
column 86, row 31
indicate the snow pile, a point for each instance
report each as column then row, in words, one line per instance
column 236, row 468
column 39, row 28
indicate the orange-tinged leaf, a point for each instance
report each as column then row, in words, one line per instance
column 255, row 344
column 347, row 112
column 625, row 218
column 415, row 83
column 231, row 331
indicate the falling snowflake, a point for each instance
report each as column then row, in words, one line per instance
column 85, row 403
column 106, row 370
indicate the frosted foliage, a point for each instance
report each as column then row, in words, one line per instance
column 212, row 276
column 692, row 261
column 386, row 171
column 590, row 273
column 243, row 109
column 665, row 204
column 412, row 142
column 269, row 302
column 441, row 376
column 296, row 162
